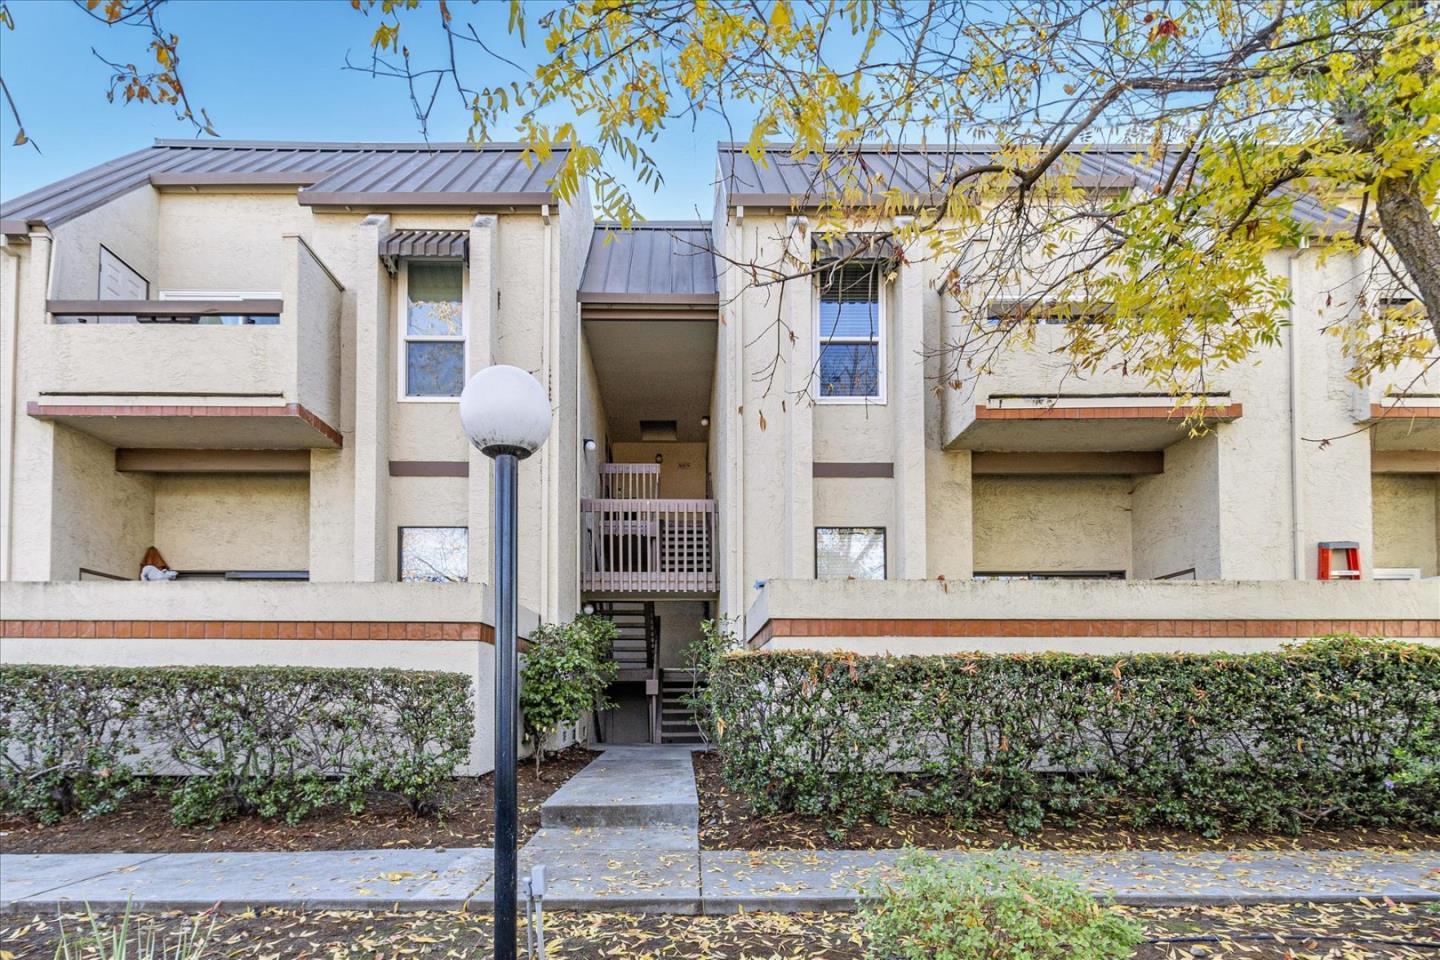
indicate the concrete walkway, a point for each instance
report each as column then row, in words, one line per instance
column 656, row 879
column 622, row 835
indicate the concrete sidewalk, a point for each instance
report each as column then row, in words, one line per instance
column 654, row 877
column 623, row 835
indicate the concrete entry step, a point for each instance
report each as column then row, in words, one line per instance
column 628, row 786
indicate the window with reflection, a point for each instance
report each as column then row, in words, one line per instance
column 434, row 554
column 849, row 553
column 848, row 334
column 434, row 328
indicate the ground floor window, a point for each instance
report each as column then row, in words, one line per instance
column 850, row 553
column 434, row 554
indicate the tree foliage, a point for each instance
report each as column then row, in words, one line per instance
column 1238, row 115
column 1234, row 110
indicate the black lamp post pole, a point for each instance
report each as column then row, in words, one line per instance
column 506, row 707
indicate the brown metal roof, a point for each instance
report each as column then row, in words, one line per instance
column 656, row 262
column 778, row 179
column 426, row 243
column 379, row 174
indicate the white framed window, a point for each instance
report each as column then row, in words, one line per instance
column 850, row 332
column 849, row 553
column 434, row 554
column 434, row 349
column 1395, row 573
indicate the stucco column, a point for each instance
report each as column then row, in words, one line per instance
column 1336, row 491
column 798, row 355
column 373, row 395
column 9, row 389
column 33, row 479
column 480, row 303
column 907, row 405
column 729, row 420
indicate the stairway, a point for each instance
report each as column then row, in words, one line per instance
column 677, row 720
column 634, row 649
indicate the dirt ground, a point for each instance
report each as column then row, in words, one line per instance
column 727, row 823
column 143, row 824
column 1353, row 932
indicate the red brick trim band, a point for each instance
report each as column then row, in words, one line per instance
column 1212, row 629
column 48, row 411
column 1391, row 411
column 247, row 630
column 1230, row 411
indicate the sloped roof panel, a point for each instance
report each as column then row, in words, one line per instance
column 384, row 174
column 652, row 262
column 776, row 178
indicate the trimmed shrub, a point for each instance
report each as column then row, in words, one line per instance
column 68, row 741
column 987, row 907
column 272, row 741
column 567, row 669
column 1337, row 731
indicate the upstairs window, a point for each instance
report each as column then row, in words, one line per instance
column 849, row 332
column 433, row 337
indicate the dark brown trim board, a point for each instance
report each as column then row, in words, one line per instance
column 1405, row 461
column 211, row 461
column 429, row 468
column 851, row 471
column 163, row 308
column 996, row 463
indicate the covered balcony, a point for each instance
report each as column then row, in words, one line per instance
column 635, row 542
column 1403, row 407
column 1026, row 402
column 197, row 370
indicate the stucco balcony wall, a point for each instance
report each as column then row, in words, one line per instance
column 413, row 626
column 1033, row 377
column 1086, row 616
column 137, row 384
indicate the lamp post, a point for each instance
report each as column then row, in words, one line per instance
column 506, row 414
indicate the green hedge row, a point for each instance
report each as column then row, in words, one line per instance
column 1339, row 731
column 276, row 741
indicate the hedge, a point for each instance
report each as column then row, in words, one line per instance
column 273, row 741
column 1336, row 731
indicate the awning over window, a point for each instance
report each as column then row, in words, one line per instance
column 426, row 243
column 854, row 246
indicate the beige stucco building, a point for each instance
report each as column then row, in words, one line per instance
column 246, row 355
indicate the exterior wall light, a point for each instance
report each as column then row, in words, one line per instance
column 589, row 445
column 506, row 414
column 704, row 421
column 588, row 609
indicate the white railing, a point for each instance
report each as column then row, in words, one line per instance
column 648, row 546
column 630, row 481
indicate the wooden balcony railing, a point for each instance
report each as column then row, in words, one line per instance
column 648, row 546
column 630, row 481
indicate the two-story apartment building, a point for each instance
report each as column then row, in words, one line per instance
column 246, row 355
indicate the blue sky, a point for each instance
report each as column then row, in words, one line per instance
column 265, row 70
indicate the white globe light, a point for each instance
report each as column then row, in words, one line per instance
column 504, row 409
